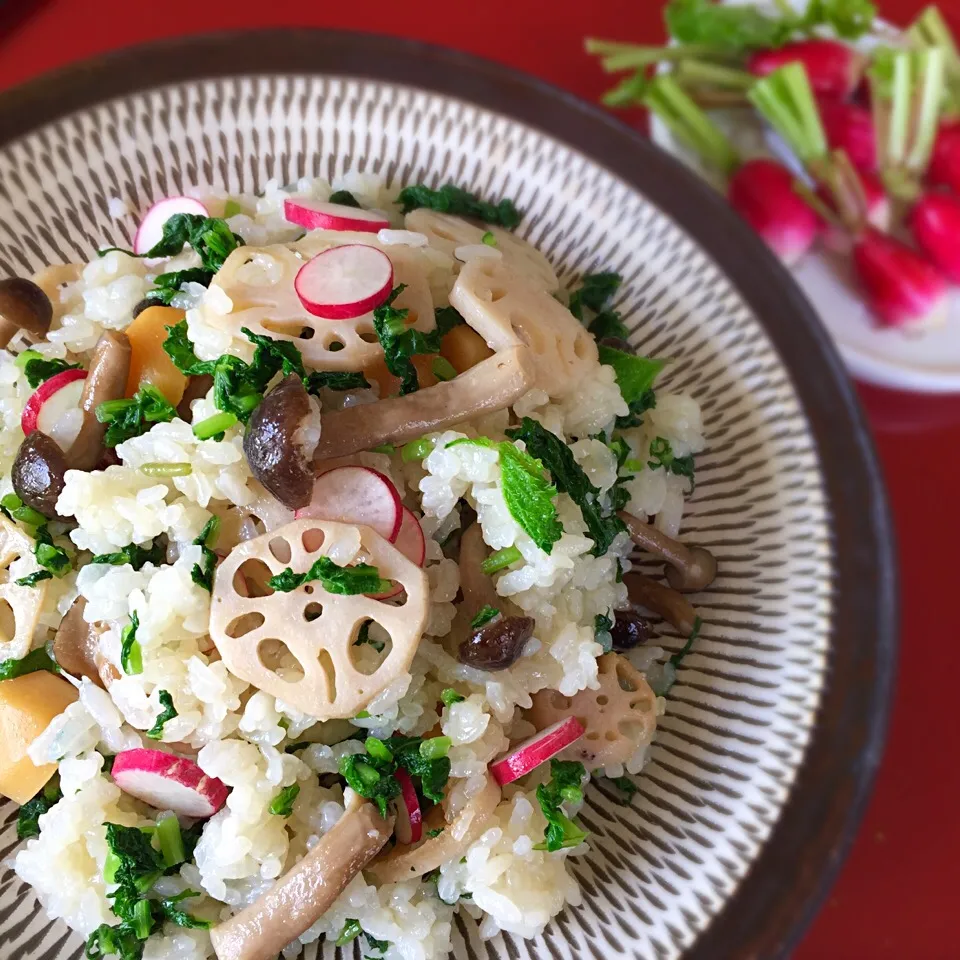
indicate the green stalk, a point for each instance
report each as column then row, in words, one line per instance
column 689, row 124
column 171, row 841
column 627, row 92
column 727, row 78
column 218, row 423
column 173, row 469
column 785, row 100
column 931, row 30
column 630, row 56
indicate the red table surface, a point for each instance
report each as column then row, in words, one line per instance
column 899, row 891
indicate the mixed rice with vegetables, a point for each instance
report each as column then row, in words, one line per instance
column 318, row 609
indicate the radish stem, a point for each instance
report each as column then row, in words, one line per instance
column 629, row 56
column 630, row 90
column 785, row 100
column 690, row 124
column 696, row 71
column 931, row 30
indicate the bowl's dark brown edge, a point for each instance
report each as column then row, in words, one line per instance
column 788, row 881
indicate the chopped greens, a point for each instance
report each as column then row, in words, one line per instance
column 168, row 285
column 485, row 615
column 54, row 560
column 565, row 781
column 677, row 658
column 453, row 199
column 38, row 369
column 595, row 291
column 13, row 508
column 569, row 478
column 202, row 573
column 28, row 817
column 131, row 656
column 371, row 774
column 401, row 342
column 335, row 380
column 663, row 456
column 282, row 803
column 449, row 696
column 168, row 713
column 35, row 660
column 635, row 375
column 134, row 555
column 133, row 417
column 602, row 625
column 363, row 636
column 625, row 785
column 347, row 581
column 500, row 559
column 345, row 198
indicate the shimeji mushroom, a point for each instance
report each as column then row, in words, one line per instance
column 674, row 607
column 19, row 606
column 76, row 647
column 300, row 646
column 24, row 308
column 446, row 232
column 688, row 569
column 307, row 890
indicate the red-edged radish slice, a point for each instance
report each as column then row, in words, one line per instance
column 409, row 825
column 54, row 408
column 168, row 782
column 318, row 215
column 538, row 749
column 410, row 540
column 356, row 495
column 150, row 232
column 345, row 282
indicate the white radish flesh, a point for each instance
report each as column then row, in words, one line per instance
column 345, row 282
column 319, row 215
column 538, row 749
column 54, row 408
column 150, row 232
column 356, row 495
column 409, row 824
column 168, row 782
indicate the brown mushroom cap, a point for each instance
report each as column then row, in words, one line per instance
column 76, row 646
column 276, row 458
column 689, row 568
column 38, row 473
column 497, row 644
column 106, row 380
column 23, row 306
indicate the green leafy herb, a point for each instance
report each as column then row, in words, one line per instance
column 564, row 785
column 133, row 417
column 171, row 913
column 179, row 349
column 569, row 478
column 850, row 19
column 663, row 457
column 32, row 579
column 345, row 198
column 461, row 203
column 401, row 342
column 13, row 508
column 528, row 496
column 131, row 656
column 635, row 375
column 446, row 319
column 351, row 930
column 168, row 713
column 360, row 578
column 139, row 865
column 35, row 660
column 625, row 785
column 134, row 555
column 449, row 696
column 727, row 29
column 275, row 354
column 335, row 380
column 602, row 625
column 363, row 636
column 485, row 615
column 435, row 833
column 54, row 560
column 282, row 803
column 168, row 285
column 594, row 292
column 37, row 369
column 29, row 814
column 202, row 573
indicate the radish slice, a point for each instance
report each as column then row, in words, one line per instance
column 316, row 215
column 54, row 408
column 538, row 749
column 409, row 825
column 168, row 782
column 345, row 282
column 150, row 232
column 410, row 540
column 356, row 495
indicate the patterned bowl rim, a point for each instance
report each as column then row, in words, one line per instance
column 767, row 913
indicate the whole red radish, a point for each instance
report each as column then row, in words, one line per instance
column 945, row 163
column 762, row 192
column 833, row 67
column 849, row 127
column 905, row 290
column 934, row 222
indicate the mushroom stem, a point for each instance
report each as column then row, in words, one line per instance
column 488, row 387
column 306, row 891
column 675, row 608
column 77, row 643
column 689, row 569
column 106, row 380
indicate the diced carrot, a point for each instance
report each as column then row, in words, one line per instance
column 149, row 362
column 464, row 348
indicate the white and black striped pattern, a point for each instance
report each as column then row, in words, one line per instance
column 744, row 708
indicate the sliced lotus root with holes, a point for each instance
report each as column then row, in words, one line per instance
column 446, row 233
column 617, row 719
column 19, row 606
column 300, row 646
column 508, row 309
column 260, row 283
